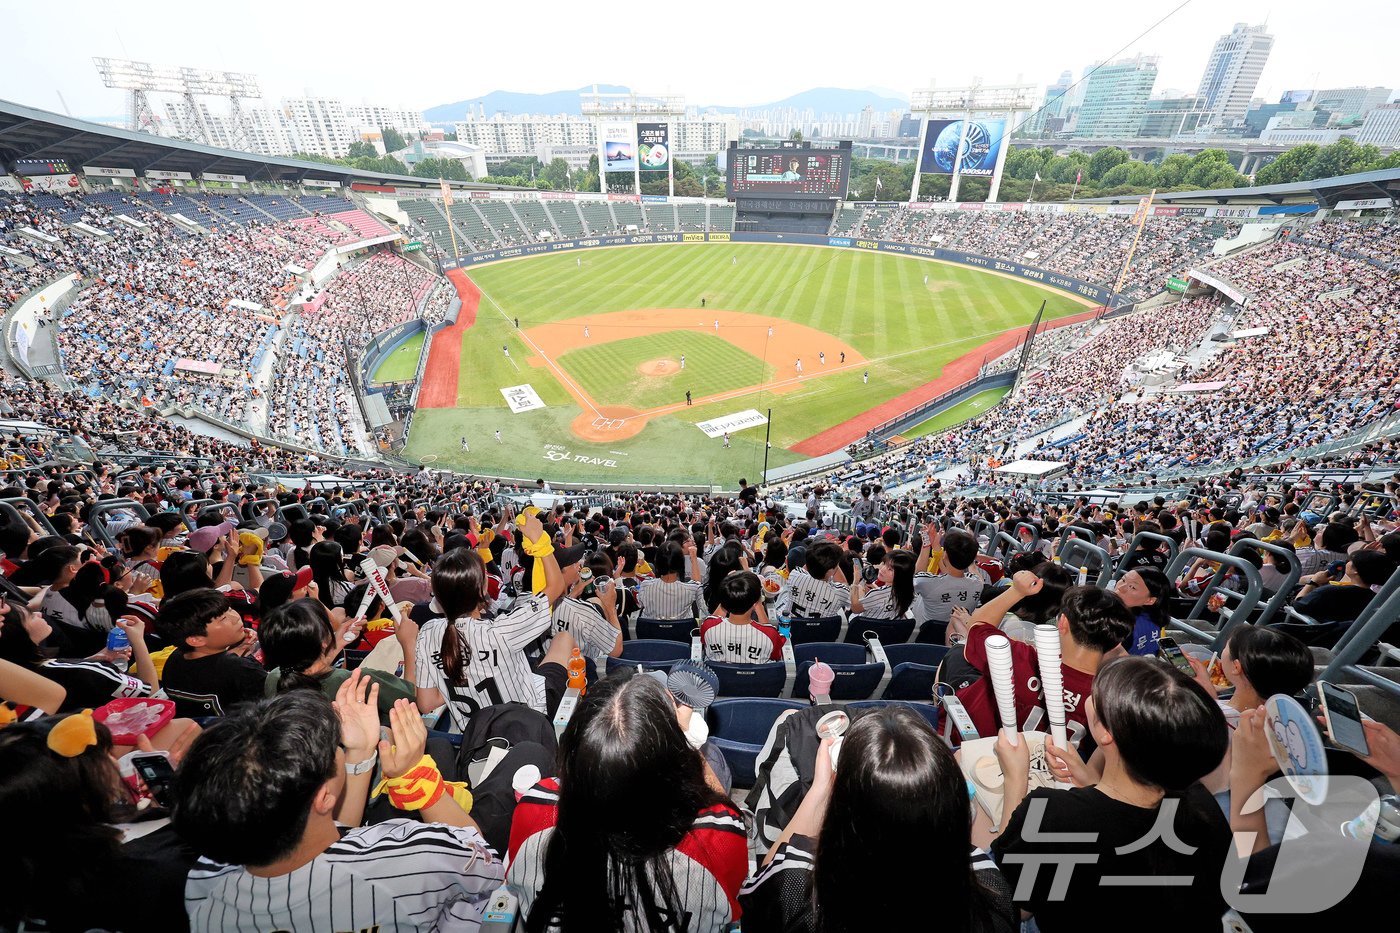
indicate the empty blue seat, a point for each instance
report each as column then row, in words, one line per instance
column 832, row 652
column 889, row 631
column 666, row 629
column 739, row 727
column 915, row 653
column 826, row 628
column 750, row 680
column 910, row 681
column 652, row 650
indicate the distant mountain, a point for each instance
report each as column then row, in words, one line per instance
column 513, row 102
column 818, row 99
column 830, row 100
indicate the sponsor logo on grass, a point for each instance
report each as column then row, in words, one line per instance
column 731, row 423
column 556, row 454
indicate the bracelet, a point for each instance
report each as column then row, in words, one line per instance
column 360, row 767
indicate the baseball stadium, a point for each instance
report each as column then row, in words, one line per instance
column 691, row 522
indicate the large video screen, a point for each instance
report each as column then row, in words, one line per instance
column 812, row 173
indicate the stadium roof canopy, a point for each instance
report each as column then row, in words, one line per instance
column 1384, row 183
column 29, row 133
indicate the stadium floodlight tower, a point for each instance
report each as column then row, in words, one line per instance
column 974, row 124
column 140, row 79
column 631, row 121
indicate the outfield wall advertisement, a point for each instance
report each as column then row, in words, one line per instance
column 1095, row 293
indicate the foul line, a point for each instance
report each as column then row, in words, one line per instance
column 574, row 389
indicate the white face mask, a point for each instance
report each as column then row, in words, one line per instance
column 698, row 732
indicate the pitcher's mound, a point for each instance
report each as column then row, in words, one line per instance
column 609, row 423
column 659, row 367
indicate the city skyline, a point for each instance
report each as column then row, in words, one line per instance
column 1309, row 51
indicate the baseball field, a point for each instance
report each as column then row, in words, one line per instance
column 610, row 341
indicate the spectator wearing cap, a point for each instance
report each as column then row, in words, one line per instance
column 278, row 589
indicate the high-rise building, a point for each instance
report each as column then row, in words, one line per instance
column 1056, row 105
column 367, row 117
column 1115, row 99
column 1349, row 103
column 1382, row 126
column 1233, row 73
column 319, row 125
column 1171, row 116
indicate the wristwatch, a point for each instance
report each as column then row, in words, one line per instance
column 362, row 766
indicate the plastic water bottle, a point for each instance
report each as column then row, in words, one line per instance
column 578, row 678
column 117, row 640
column 1381, row 821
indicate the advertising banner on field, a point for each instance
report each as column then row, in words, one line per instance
column 974, row 152
column 653, row 146
column 738, row 421
column 522, row 398
column 619, row 144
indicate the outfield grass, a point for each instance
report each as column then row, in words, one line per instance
column 878, row 303
column 402, row 363
column 957, row 414
column 609, row 371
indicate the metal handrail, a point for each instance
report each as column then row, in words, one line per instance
column 1365, row 633
column 1137, row 539
column 1088, row 552
column 1290, row 580
column 97, row 518
column 1233, row 616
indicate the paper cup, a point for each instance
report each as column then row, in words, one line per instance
column 1003, row 685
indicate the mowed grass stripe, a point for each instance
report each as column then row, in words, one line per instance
column 609, row 372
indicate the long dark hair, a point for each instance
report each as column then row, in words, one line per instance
column 294, row 637
column 327, row 569
column 722, row 563
column 60, row 806
column 902, row 580
column 899, row 805
column 459, row 584
column 184, row 571
column 630, row 789
column 1162, row 591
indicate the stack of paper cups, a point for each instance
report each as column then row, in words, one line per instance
column 999, row 663
column 1047, row 646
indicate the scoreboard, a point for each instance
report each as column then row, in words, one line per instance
column 33, row 167
column 809, row 173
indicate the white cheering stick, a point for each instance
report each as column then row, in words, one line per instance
column 1047, row 645
column 999, row 661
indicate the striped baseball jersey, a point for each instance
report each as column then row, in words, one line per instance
column 879, row 603
column 708, row 865
column 595, row 635
column 942, row 593
column 395, row 875
column 681, row 599
column 747, row 643
column 811, row 598
column 495, row 669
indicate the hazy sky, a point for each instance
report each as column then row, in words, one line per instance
column 416, row 56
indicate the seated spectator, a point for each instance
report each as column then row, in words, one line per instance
column 210, row 670
column 894, row 806
column 819, row 588
column 588, row 611
column 1159, row 734
column 892, row 596
column 954, row 585
column 468, row 660
column 635, row 832
column 259, row 797
column 1147, row 592
column 666, row 596
column 1092, row 622
column 60, row 791
column 737, row 635
column 1327, row 599
column 89, row 682
column 300, row 645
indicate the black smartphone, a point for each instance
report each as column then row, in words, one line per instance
column 159, row 777
column 1343, row 716
column 1169, row 649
